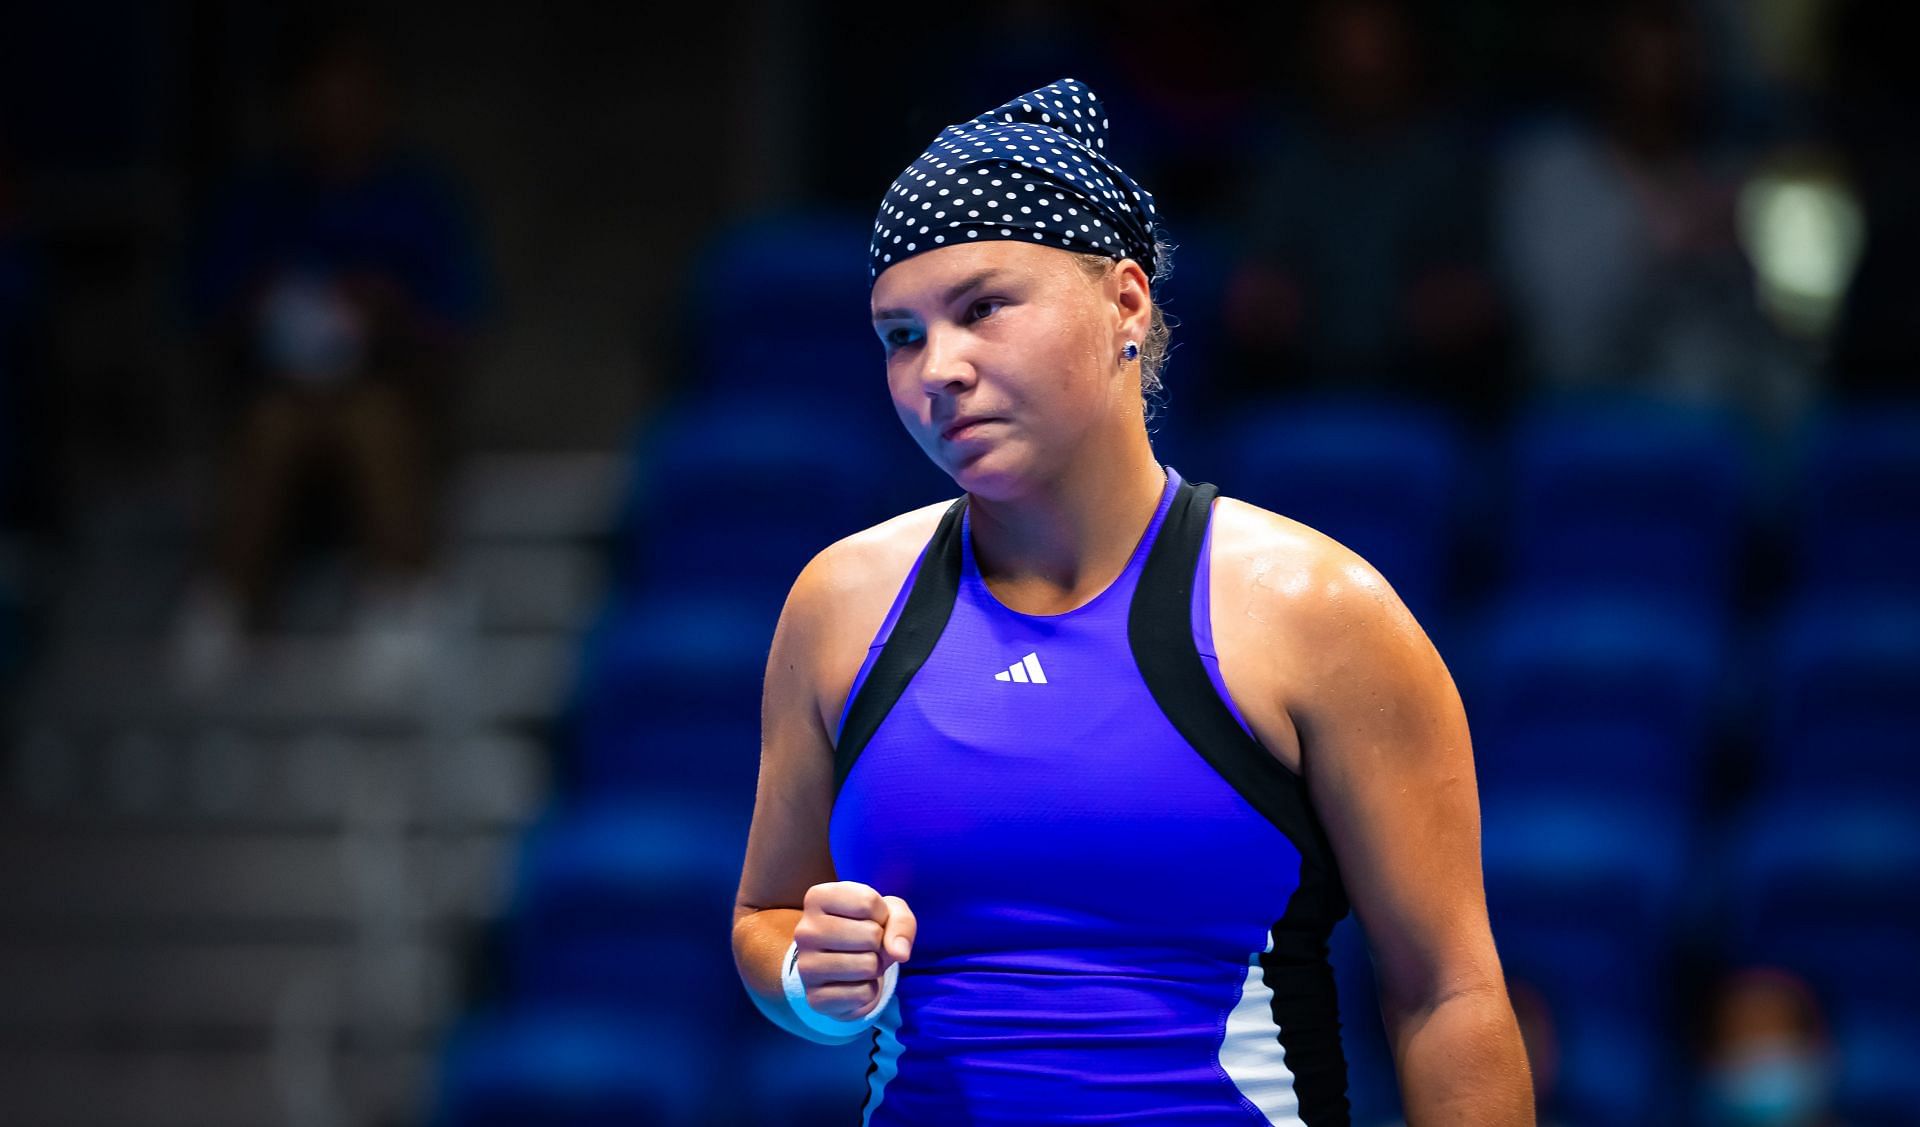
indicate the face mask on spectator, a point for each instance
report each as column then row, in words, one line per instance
column 1780, row 1085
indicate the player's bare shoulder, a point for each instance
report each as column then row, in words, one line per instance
column 847, row 572
column 1275, row 571
column 1267, row 557
column 1285, row 598
column 842, row 595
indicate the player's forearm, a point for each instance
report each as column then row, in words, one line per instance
column 1461, row 1061
column 760, row 942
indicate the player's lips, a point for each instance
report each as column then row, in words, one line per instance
column 965, row 427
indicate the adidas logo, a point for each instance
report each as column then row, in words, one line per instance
column 1026, row 670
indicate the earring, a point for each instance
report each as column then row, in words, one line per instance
column 1131, row 352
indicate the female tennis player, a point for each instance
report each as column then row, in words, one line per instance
column 1065, row 782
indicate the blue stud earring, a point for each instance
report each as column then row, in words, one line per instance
column 1131, row 352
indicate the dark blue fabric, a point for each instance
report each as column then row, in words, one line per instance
column 1034, row 169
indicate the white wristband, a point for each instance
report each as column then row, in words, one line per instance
column 797, row 998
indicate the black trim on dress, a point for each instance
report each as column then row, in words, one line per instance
column 922, row 620
column 1160, row 630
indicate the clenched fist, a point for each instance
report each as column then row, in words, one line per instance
column 847, row 936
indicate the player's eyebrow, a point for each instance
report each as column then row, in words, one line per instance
column 971, row 281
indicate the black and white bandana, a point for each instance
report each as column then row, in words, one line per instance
column 1034, row 169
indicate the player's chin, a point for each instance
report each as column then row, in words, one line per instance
column 993, row 470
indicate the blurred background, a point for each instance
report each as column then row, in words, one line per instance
column 411, row 421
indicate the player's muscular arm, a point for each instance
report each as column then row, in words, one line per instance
column 787, row 842
column 1388, row 762
column 833, row 610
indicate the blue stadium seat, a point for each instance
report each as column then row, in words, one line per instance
column 1584, row 873
column 1613, row 1066
column 1825, row 886
column 1378, row 477
column 1373, row 1090
column 1878, row 1083
column 1193, row 298
column 566, row 1069
column 1561, row 933
column 792, row 1082
column 1183, row 442
column 1586, row 899
column 626, row 906
column 1860, row 511
column 1602, row 697
column 1628, row 496
column 668, row 695
column 730, row 496
column 780, row 302
column 778, row 319
column 1843, row 697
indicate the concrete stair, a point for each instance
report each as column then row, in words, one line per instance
column 255, row 905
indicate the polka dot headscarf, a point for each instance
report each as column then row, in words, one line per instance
column 1035, row 169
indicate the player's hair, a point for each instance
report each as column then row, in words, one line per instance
column 1153, row 350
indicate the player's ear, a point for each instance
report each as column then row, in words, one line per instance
column 1132, row 296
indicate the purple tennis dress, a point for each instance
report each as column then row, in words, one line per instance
column 1123, row 899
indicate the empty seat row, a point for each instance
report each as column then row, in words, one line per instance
column 1609, row 495
column 621, row 910
column 1607, row 697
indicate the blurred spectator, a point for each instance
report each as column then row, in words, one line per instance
column 1194, row 99
column 339, row 284
column 1617, row 238
column 1768, row 1062
column 1364, row 229
column 1876, row 90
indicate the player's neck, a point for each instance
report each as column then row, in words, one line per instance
column 1074, row 536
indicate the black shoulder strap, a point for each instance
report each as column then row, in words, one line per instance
column 1160, row 629
column 919, row 626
